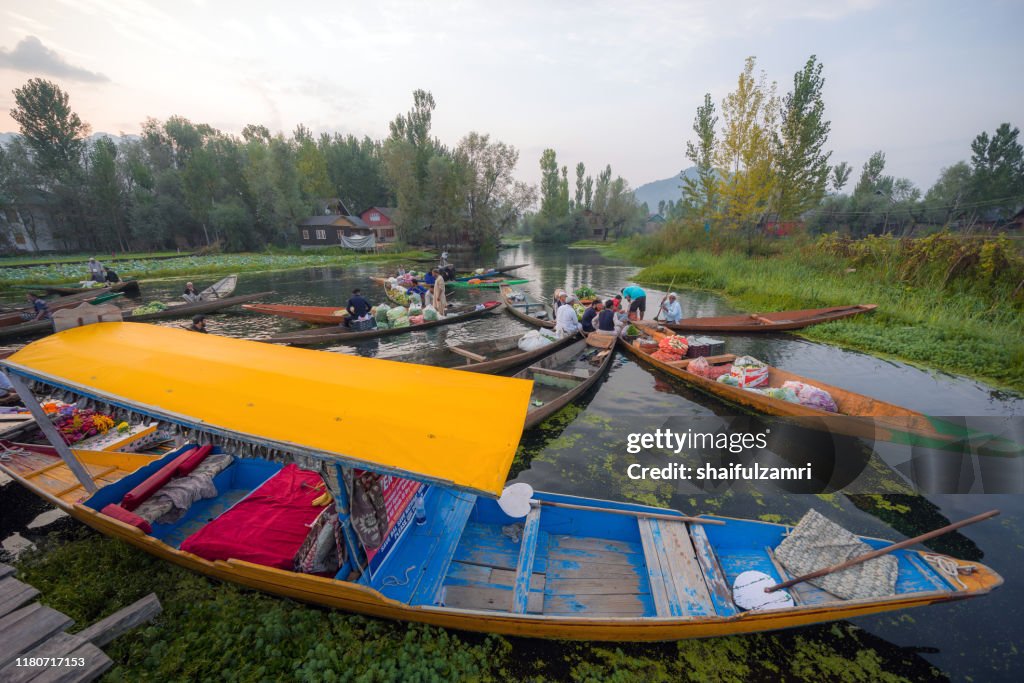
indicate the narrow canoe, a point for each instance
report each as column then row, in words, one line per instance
column 497, row 355
column 314, row 315
column 492, row 283
column 130, row 287
column 490, row 272
column 46, row 326
column 576, row 568
column 529, row 311
column 220, row 289
column 509, row 269
column 858, row 415
column 16, row 317
column 779, row 321
column 339, row 333
column 561, row 377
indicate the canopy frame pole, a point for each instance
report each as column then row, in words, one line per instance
column 51, row 433
column 344, row 508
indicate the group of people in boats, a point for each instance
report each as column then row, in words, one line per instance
column 100, row 273
column 609, row 316
column 431, row 289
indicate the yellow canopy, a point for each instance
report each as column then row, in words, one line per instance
column 454, row 428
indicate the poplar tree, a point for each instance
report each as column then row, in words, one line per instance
column 802, row 162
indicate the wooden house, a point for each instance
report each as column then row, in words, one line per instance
column 381, row 220
column 332, row 227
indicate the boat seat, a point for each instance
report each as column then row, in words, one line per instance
column 677, row 580
column 155, row 481
column 527, row 554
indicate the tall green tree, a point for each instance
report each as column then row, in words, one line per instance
column 53, row 131
column 997, row 165
column 840, row 176
column 746, row 155
column 407, row 153
column 802, row 162
column 702, row 192
column 581, row 172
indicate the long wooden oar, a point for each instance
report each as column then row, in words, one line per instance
column 633, row 513
column 882, row 551
column 658, row 314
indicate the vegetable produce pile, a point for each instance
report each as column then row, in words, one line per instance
column 151, row 307
column 585, row 292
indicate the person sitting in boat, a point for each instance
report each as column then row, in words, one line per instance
column 606, row 318
column 40, row 311
column 559, row 300
column 419, row 290
column 95, row 270
column 673, row 311
column 358, row 307
column 110, row 276
column 444, row 259
column 199, row 324
column 429, row 277
column 637, row 298
column 590, row 315
column 447, row 272
column 567, row 323
column 190, row 294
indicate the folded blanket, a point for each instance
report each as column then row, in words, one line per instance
column 173, row 500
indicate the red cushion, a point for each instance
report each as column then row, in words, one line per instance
column 266, row 527
column 140, row 493
column 122, row 515
column 194, row 460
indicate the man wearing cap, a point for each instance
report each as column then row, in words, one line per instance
column 567, row 323
column 199, row 324
column 673, row 311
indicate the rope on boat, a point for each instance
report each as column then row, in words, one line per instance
column 7, row 454
column 393, row 581
column 950, row 567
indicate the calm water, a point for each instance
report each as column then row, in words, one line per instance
column 582, row 450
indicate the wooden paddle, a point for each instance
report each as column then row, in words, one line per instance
column 882, row 551
column 660, row 309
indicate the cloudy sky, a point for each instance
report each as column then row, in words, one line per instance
column 600, row 82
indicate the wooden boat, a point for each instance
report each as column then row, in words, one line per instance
column 509, row 269
column 489, row 273
column 314, row 315
column 340, row 333
column 130, row 287
column 220, row 289
column 858, row 415
column 16, row 317
column 561, row 377
column 44, row 326
column 536, row 313
column 578, row 568
column 496, row 355
column 770, row 322
column 490, row 283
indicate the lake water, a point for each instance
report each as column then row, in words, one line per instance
column 582, row 451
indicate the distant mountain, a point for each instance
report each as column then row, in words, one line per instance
column 668, row 189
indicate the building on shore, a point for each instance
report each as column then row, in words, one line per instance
column 336, row 226
column 381, row 220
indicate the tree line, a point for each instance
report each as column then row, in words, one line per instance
column 186, row 184
column 762, row 158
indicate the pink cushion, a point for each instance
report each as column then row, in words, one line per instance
column 120, row 514
column 140, row 493
column 194, row 460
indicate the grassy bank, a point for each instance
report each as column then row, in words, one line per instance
column 214, row 631
column 941, row 304
column 216, row 264
column 47, row 259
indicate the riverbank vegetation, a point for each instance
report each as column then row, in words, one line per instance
column 214, row 264
column 951, row 302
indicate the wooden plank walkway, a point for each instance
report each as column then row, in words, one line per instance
column 34, row 631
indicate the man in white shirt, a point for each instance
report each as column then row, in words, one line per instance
column 567, row 323
column 673, row 311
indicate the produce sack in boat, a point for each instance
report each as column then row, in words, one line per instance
column 415, row 308
column 817, row 542
column 430, row 314
column 812, row 396
column 674, row 346
column 401, row 322
column 396, row 313
column 782, row 393
column 533, row 340
column 415, row 319
column 749, row 372
column 381, row 313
